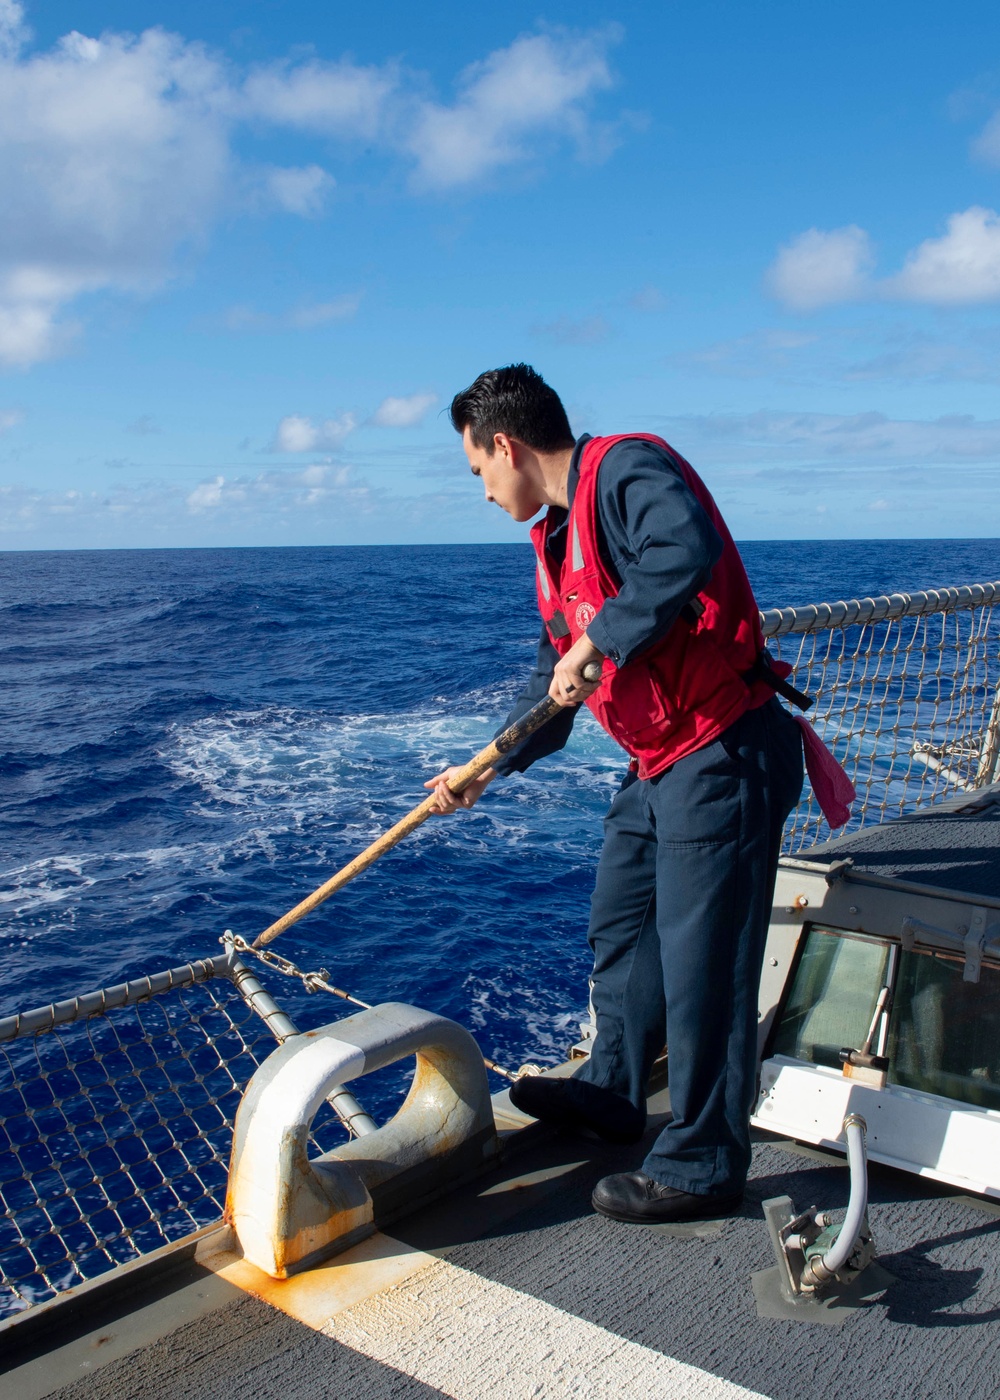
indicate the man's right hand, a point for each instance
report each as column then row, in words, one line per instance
column 569, row 685
column 449, row 801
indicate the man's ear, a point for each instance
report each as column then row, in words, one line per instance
column 508, row 448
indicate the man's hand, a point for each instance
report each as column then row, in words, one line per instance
column 449, row 801
column 568, row 685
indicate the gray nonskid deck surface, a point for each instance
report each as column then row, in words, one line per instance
column 935, row 1333
column 959, row 852
column 246, row 1351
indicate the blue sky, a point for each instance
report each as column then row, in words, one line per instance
column 248, row 253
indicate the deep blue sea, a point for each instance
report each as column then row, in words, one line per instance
column 193, row 739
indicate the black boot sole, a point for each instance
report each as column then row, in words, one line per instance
column 673, row 1213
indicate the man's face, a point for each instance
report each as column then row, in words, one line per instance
column 503, row 479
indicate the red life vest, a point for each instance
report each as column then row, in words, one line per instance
column 690, row 685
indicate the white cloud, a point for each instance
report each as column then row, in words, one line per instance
column 207, row 495
column 13, row 31
column 321, row 313
column 987, row 144
column 9, row 417
column 298, row 434
column 819, row 268
column 770, row 436
column 968, row 353
column 871, row 350
column 144, row 426
column 771, row 351
column 589, row 330
column 157, row 510
column 117, row 153
column 113, row 153
column 540, row 85
column 330, row 99
column 648, row 298
column 763, row 494
column 301, row 190
column 960, row 268
column 319, row 503
column 298, row 318
column 403, row 412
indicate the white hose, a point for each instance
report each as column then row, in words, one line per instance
column 841, row 1250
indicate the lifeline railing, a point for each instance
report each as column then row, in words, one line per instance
column 906, row 693
column 116, row 1118
column 117, row 1108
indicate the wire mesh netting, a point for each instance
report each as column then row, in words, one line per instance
column 905, row 693
column 116, row 1109
column 115, row 1132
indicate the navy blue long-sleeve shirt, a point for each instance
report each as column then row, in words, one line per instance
column 661, row 547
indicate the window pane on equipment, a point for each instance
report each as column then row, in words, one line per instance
column 833, row 997
column 944, row 1032
column 944, row 1035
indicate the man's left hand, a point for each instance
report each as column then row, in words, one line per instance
column 568, row 685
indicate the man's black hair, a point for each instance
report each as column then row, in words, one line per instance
column 514, row 400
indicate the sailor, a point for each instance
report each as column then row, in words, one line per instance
column 637, row 571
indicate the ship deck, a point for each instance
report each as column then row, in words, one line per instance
column 514, row 1287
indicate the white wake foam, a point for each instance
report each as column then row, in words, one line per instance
column 283, row 767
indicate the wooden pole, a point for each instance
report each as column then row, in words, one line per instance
column 512, row 736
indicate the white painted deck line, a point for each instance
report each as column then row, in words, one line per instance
column 474, row 1339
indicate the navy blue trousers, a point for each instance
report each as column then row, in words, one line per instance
column 678, row 925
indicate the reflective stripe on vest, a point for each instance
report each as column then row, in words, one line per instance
column 577, row 552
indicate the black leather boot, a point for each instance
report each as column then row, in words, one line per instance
column 575, row 1104
column 636, row 1198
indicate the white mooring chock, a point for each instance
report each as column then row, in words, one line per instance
column 289, row 1212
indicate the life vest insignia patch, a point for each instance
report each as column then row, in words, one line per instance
column 585, row 615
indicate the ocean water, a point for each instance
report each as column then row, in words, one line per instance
column 192, row 740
